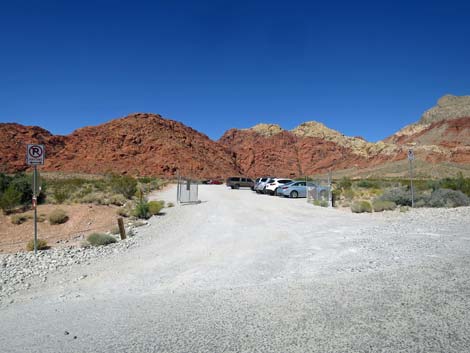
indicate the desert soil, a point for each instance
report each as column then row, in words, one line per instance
column 83, row 220
column 242, row 272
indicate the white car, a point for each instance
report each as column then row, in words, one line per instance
column 273, row 185
column 261, row 185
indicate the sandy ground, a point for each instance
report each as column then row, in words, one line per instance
column 242, row 272
column 83, row 220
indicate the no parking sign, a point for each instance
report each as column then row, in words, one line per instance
column 35, row 154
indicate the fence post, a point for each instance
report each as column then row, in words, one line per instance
column 122, row 230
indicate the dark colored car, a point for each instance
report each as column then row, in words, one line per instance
column 240, row 182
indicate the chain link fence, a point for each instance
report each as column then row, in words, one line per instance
column 319, row 190
column 187, row 190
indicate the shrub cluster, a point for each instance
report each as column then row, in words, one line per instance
column 97, row 239
column 17, row 191
column 58, row 216
column 42, row 245
column 379, row 205
column 361, row 207
column 155, row 207
column 19, row 218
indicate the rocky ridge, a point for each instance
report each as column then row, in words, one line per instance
column 148, row 144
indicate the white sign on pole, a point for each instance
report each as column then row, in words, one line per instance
column 411, row 155
column 35, row 154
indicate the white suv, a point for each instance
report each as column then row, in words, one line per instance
column 261, row 185
column 271, row 187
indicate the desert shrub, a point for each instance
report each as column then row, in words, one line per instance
column 124, row 212
column 96, row 198
column 58, row 216
column 404, row 208
column 4, row 182
column 42, row 245
column 22, row 183
column 458, row 184
column 10, row 199
column 141, row 210
column 368, row 184
column 399, row 195
column 361, row 207
column 349, row 194
column 117, row 199
column 19, row 218
column 448, row 198
column 97, row 239
column 155, row 207
column 170, row 204
column 124, row 185
column 379, row 205
column 345, row 183
column 41, row 217
column 60, row 195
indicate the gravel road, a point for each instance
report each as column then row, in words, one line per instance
column 242, row 272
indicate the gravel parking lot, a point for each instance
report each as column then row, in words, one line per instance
column 242, row 272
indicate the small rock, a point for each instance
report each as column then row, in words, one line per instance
column 66, row 332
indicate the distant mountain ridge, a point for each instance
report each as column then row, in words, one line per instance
column 148, row 144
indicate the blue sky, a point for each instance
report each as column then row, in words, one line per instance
column 364, row 68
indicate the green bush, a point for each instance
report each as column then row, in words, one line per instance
column 124, row 185
column 361, row 207
column 141, row 210
column 368, row 184
column 117, row 199
column 379, row 205
column 60, row 195
column 458, row 184
column 11, row 198
column 4, row 182
column 349, row 194
column 42, row 245
column 97, row 239
column 345, row 183
column 19, row 218
column 399, row 195
column 170, row 204
column 155, row 207
column 124, row 211
column 58, row 216
column 448, row 198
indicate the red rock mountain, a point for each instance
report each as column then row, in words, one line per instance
column 147, row 144
column 139, row 144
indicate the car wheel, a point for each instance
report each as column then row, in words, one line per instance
column 275, row 192
column 232, row 187
column 237, row 186
column 294, row 194
column 264, row 190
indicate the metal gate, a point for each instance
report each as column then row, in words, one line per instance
column 319, row 191
column 187, row 191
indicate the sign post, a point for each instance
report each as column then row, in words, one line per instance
column 35, row 156
column 411, row 157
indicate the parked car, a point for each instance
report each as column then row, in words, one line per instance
column 257, row 180
column 260, row 188
column 239, row 182
column 294, row 189
column 273, row 186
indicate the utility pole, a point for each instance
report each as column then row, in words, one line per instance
column 411, row 158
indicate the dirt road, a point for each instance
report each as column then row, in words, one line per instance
column 242, row 272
